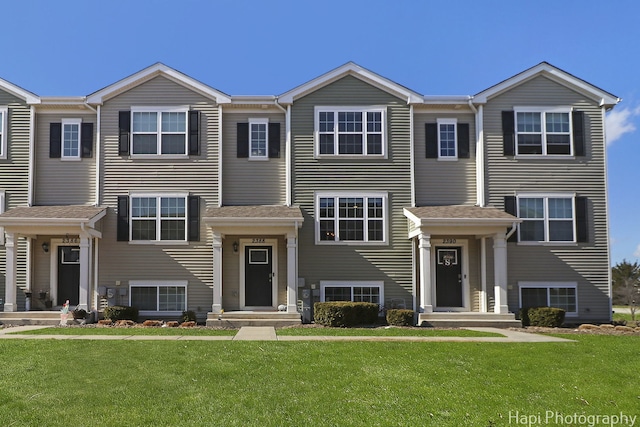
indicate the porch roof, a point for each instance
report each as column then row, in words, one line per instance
column 51, row 219
column 264, row 216
column 459, row 215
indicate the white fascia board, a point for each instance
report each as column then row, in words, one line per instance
column 252, row 222
column 253, row 99
column 27, row 96
column 355, row 70
column 446, row 99
column 157, row 69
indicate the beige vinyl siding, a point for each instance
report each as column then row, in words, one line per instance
column 390, row 263
column 196, row 175
column 584, row 263
column 251, row 182
column 63, row 182
column 14, row 181
column 444, row 182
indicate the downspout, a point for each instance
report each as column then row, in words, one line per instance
column 480, row 166
column 287, row 120
column 98, row 155
column 219, row 155
column 32, row 155
column 412, row 172
column 606, row 207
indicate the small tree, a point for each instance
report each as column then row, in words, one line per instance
column 626, row 285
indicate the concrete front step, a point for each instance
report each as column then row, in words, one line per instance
column 468, row 319
column 238, row 319
column 45, row 318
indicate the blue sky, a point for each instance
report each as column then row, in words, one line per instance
column 242, row 47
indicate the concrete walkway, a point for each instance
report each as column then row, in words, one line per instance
column 268, row 333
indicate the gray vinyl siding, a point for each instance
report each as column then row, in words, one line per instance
column 251, row 182
column 196, row 175
column 584, row 263
column 63, row 182
column 390, row 263
column 14, row 179
column 444, row 182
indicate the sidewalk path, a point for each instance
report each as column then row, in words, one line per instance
column 268, row 333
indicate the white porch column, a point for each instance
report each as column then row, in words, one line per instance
column 424, row 254
column 10, row 275
column 292, row 279
column 83, row 301
column 500, row 273
column 217, row 273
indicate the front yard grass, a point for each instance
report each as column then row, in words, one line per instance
column 384, row 332
column 177, row 383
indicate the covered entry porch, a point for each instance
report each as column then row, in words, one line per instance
column 461, row 264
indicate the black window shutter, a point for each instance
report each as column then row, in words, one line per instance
column 194, row 133
column 124, row 125
column 193, row 225
column 578, row 133
column 582, row 231
column 86, row 134
column 510, row 208
column 123, row 219
column 431, row 132
column 55, row 140
column 463, row 140
column 508, row 133
column 274, row 140
column 243, row 139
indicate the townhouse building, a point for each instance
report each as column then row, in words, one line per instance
column 163, row 193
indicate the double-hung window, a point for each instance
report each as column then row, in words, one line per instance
column 159, row 131
column 541, row 294
column 543, row 131
column 355, row 291
column 447, row 139
column 167, row 297
column 158, row 218
column 547, row 218
column 70, row 139
column 3, row 132
column 350, row 131
column 351, row 218
column 258, row 138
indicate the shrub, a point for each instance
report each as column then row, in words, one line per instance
column 548, row 317
column 399, row 317
column 345, row 313
column 121, row 312
column 189, row 316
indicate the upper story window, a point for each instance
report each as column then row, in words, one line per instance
column 543, row 131
column 350, row 131
column 258, row 138
column 358, row 218
column 159, row 131
column 447, row 139
column 547, row 218
column 71, row 138
column 3, row 132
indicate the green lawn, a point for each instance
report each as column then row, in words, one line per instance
column 385, row 332
column 161, row 383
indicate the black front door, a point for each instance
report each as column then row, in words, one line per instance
column 68, row 274
column 449, row 277
column 258, row 267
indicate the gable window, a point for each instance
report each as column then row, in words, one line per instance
column 71, row 139
column 158, row 296
column 351, row 218
column 543, row 132
column 355, row 291
column 541, row 294
column 159, row 131
column 350, row 131
column 258, row 138
column 546, row 218
column 3, row 132
column 158, row 218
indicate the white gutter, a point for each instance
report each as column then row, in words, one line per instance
column 287, row 120
column 480, row 166
column 514, row 227
column 32, row 156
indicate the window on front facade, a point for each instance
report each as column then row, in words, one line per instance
column 258, row 139
column 350, row 131
column 3, row 132
column 543, row 132
column 447, row 139
column 70, row 139
column 351, row 291
column 158, row 218
column 351, row 219
column 160, row 132
column 546, row 218
column 158, row 296
column 558, row 295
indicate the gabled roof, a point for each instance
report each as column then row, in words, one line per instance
column 351, row 69
column 27, row 96
column 149, row 73
column 562, row 77
column 459, row 214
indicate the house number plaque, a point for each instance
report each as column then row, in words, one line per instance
column 72, row 239
column 448, row 240
column 257, row 240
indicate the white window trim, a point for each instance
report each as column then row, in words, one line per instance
column 352, row 284
column 364, row 110
column 546, row 197
column 77, row 122
column 543, row 129
column 448, row 122
column 4, row 122
column 550, row 285
column 339, row 194
column 160, row 110
column 159, row 284
column 266, row 153
column 158, row 196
